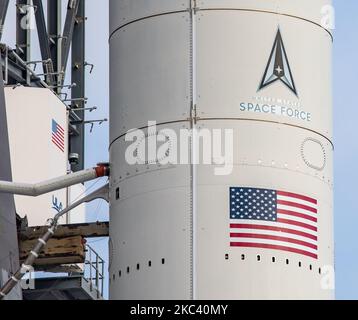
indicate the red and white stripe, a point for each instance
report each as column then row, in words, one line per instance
column 58, row 138
column 294, row 231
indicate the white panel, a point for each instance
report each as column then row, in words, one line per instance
column 154, row 205
column 275, row 145
column 148, row 224
column 252, row 279
column 77, row 215
column 125, row 11
column 150, row 221
column 305, row 9
column 150, row 77
column 273, row 163
column 33, row 155
column 233, row 52
column 122, row 170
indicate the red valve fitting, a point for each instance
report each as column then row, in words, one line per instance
column 102, row 170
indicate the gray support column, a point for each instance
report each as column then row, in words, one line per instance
column 54, row 29
column 23, row 32
column 4, row 4
column 78, row 77
column 44, row 41
column 72, row 10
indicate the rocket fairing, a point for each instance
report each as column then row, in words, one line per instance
column 263, row 70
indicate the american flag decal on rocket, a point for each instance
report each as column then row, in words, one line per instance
column 58, row 136
column 276, row 220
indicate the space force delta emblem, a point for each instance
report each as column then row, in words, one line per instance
column 278, row 67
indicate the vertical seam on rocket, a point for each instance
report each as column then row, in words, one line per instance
column 193, row 146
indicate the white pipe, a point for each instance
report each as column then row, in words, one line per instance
column 41, row 188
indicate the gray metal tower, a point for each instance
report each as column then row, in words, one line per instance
column 9, row 253
column 62, row 49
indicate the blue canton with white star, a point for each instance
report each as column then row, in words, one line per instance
column 253, row 204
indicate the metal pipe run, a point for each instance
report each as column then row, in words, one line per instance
column 41, row 188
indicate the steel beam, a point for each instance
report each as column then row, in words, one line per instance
column 14, row 72
column 72, row 10
column 4, row 4
column 15, row 68
column 85, row 230
column 54, row 28
column 44, row 42
column 78, row 76
column 23, row 28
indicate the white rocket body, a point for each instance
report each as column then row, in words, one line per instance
column 171, row 225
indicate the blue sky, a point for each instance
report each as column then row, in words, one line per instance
column 346, row 148
column 97, row 87
column 97, row 84
column 345, row 110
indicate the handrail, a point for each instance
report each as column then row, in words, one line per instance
column 96, row 263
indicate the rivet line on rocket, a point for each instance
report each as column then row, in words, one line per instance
column 193, row 173
column 231, row 119
column 220, row 9
column 273, row 122
column 269, row 12
column 144, row 18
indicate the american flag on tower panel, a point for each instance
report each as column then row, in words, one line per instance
column 272, row 219
column 58, row 136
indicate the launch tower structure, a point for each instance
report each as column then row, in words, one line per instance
column 62, row 48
